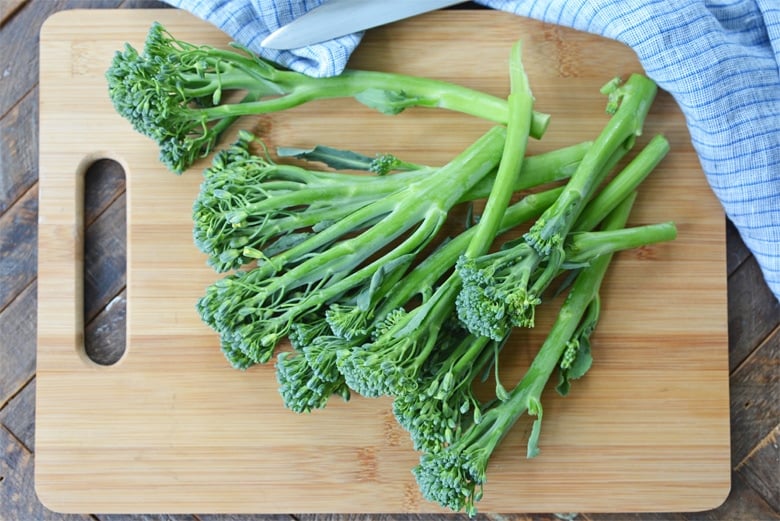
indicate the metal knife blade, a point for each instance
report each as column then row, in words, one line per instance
column 336, row 18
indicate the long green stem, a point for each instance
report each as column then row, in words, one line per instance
column 625, row 182
column 635, row 97
column 463, row 172
column 520, row 106
column 424, row 92
column 526, row 396
column 581, row 247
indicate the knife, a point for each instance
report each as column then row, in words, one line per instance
column 335, row 18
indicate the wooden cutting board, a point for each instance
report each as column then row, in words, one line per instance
column 171, row 428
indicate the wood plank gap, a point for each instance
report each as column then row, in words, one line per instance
column 19, row 100
column 17, row 440
column 22, row 195
column 735, row 269
column 6, row 17
column 11, row 301
column 16, row 392
column 111, row 202
column 769, row 438
column 104, row 308
column 763, row 342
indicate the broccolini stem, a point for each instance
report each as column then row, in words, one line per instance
column 626, row 181
column 520, row 104
column 409, row 91
column 629, row 104
column 537, row 170
column 526, row 396
column 581, row 247
column 463, row 172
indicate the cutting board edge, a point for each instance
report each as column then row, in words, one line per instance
column 45, row 491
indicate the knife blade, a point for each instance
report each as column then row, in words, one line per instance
column 336, row 18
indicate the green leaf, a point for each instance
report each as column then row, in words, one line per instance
column 389, row 102
column 332, row 157
column 366, row 297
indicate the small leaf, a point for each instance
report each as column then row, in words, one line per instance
column 332, row 157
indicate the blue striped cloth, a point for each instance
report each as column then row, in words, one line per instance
column 718, row 58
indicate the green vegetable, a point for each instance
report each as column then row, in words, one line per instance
column 184, row 96
column 250, row 207
column 253, row 310
column 502, row 289
column 371, row 309
column 454, row 476
column 392, row 363
column 351, row 266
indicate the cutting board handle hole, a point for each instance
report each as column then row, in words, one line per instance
column 105, row 261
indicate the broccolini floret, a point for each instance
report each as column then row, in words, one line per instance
column 253, row 310
column 501, row 289
column 303, row 389
column 434, row 413
column 393, row 362
column 184, row 96
column 455, row 476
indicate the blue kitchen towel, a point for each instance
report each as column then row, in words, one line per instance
column 719, row 59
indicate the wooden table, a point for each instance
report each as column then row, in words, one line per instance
column 754, row 314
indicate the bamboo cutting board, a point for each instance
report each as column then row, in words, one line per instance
column 171, row 428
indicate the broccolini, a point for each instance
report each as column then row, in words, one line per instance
column 183, row 96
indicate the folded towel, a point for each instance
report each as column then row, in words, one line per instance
column 719, row 59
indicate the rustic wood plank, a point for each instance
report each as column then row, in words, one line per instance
column 8, row 8
column 18, row 416
column 17, row 344
column 752, row 309
column 651, row 516
column 145, row 517
column 246, row 517
column 736, row 251
column 105, row 249
column 17, row 494
column 104, row 183
column 760, row 469
column 105, row 335
column 18, row 247
column 755, row 407
column 743, row 504
column 19, row 60
column 18, row 149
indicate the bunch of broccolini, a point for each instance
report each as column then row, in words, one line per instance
column 353, row 268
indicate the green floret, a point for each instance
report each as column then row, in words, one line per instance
column 455, row 476
column 391, row 363
column 250, row 208
column 253, row 310
column 434, row 415
column 502, row 289
column 184, row 96
column 303, row 389
column 308, row 376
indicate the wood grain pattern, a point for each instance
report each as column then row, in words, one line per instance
column 152, row 416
